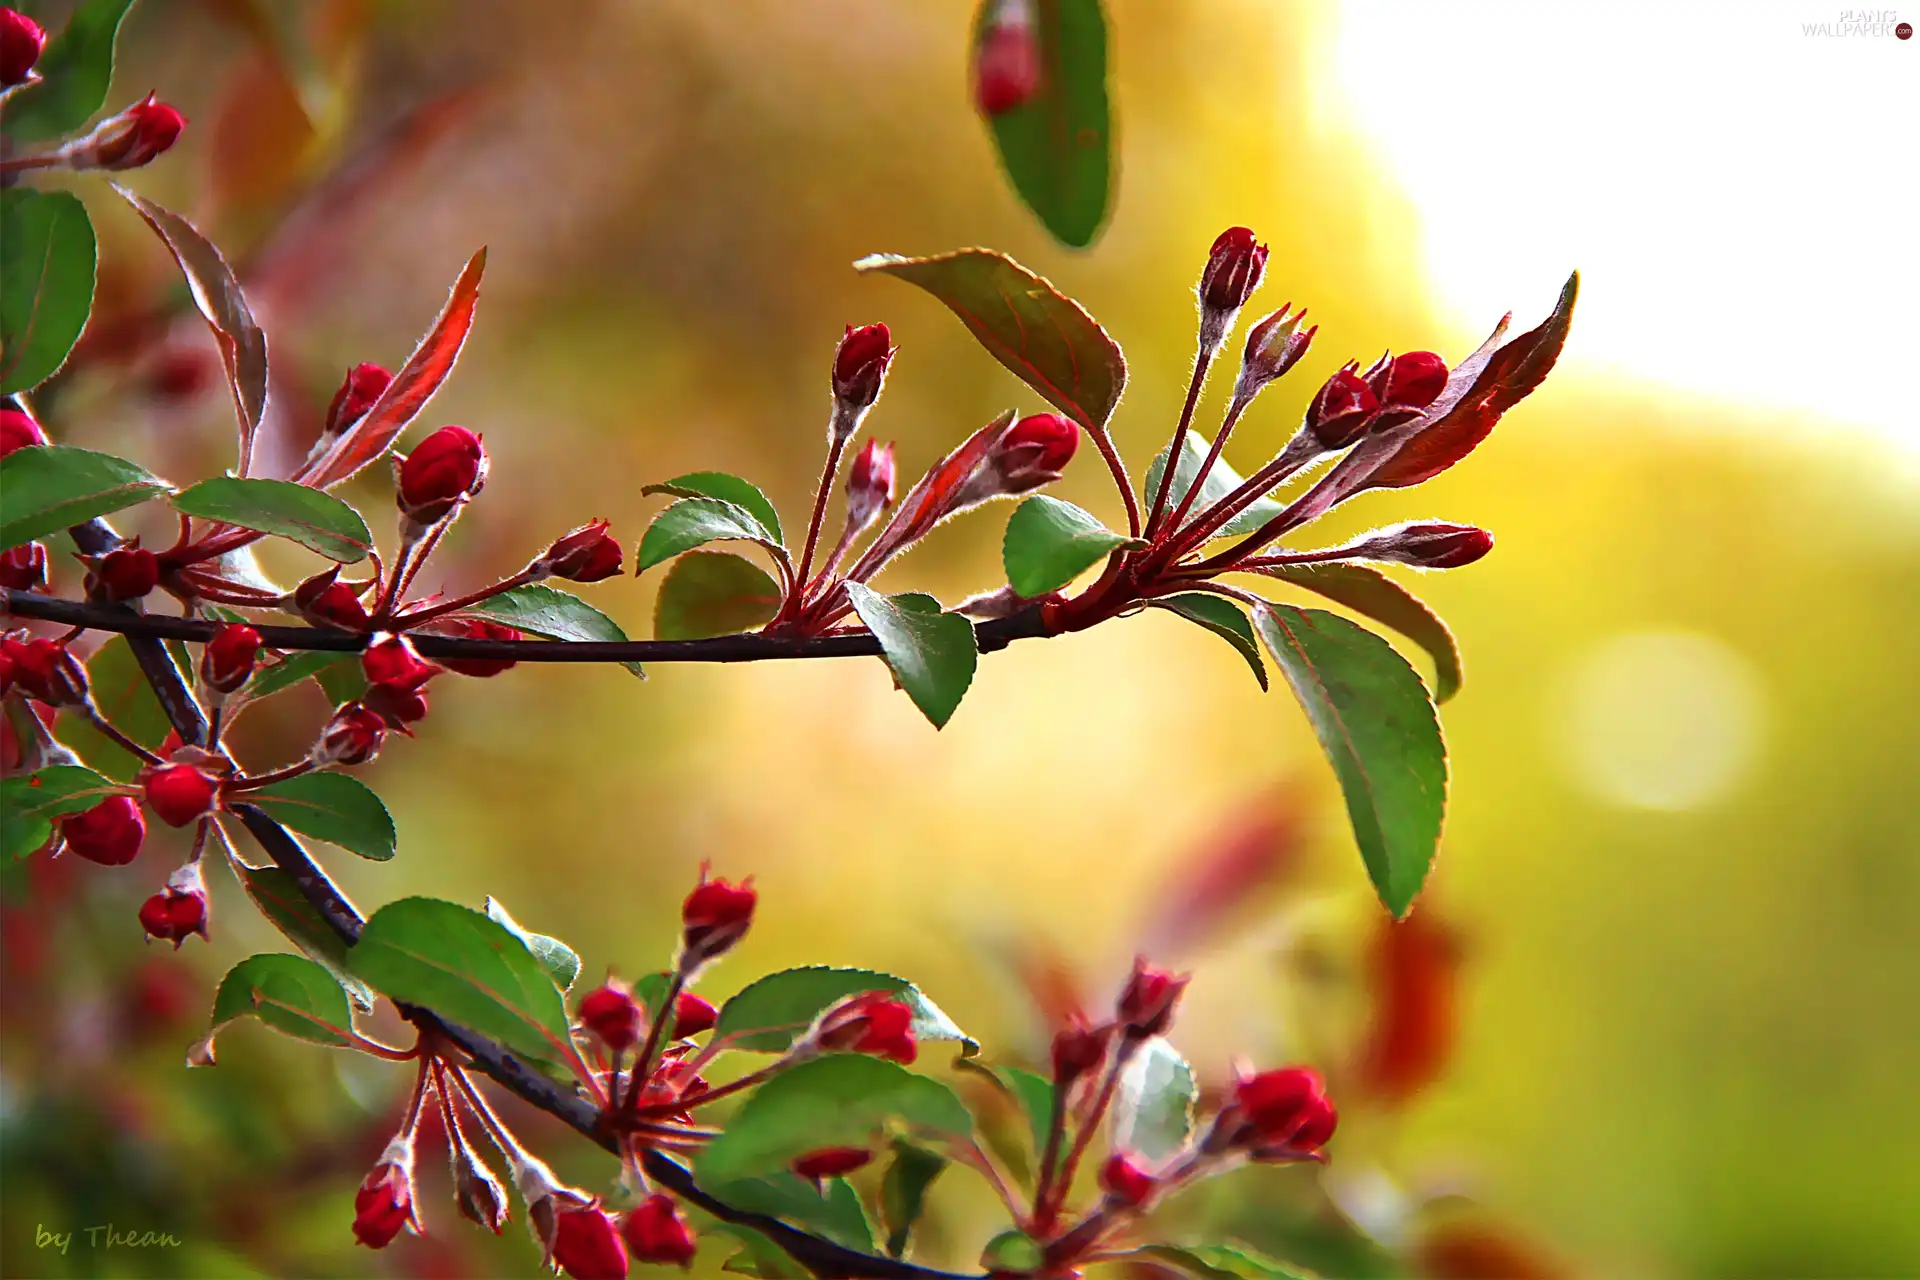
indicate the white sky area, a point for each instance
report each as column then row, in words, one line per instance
column 1742, row 198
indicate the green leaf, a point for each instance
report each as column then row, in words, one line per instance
column 713, row 593
column 555, row 956
column 1377, row 725
column 758, row 1255
column 467, row 968
column 1153, row 1104
column 903, row 1192
column 546, row 611
column 933, row 654
column 291, row 994
column 727, row 488
column 694, row 522
column 334, row 807
column 49, row 487
column 650, row 989
column 1224, row 1262
column 1035, row 1093
column 1368, row 591
column 1049, row 543
column 296, row 667
column 1057, row 146
column 279, row 899
column 832, row 1210
column 29, row 803
column 317, row 521
column 768, row 1015
column 1013, row 1252
column 75, row 71
column 1046, row 338
column 1221, row 481
column 47, row 258
column 121, row 692
column 1222, row 617
column 840, row 1100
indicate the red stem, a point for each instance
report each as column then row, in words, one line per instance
column 1200, row 363
column 797, row 588
column 418, row 616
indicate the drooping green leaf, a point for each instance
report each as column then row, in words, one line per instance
column 1049, row 543
column 30, row 802
column 903, row 1192
column 279, row 899
column 318, row 521
column 555, row 956
column 1046, row 338
column 296, row 667
column 291, row 994
column 833, row 1210
column 1221, row 481
column 467, row 968
column 713, row 593
column 334, row 807
column 1224, row 1262
column 1153, row 1105
column 1222, row 617
column 932, row 654
column 840, row 1100
column 1377, row 725
column 694, row 522
column 727, row 488
column 47, row 259
column 770, row 1013
column 546, row 611
column 50, row 487
column 1368, row 591
column 75, row 72
column 1057, row 146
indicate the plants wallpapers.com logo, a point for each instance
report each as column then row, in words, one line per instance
column 1862, row 22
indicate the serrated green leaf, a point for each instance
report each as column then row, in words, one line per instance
column 713, row 593
column 1049, row 543
column 467, row 968
column 903, row 1192
column 317, row 521
column 279, row 899
column 555, row 956
column 832, row 1210
column 1378, row 728
column 1057, row 146
column 1368, row 591
column 1221, row 481
column 694, row 522
column 334, row 807
column 769, row 1014
column 1153, row 1103
column 47, row 260
column 840, row 1100
column 291, row 994
column 1222, row 617
column 29, row 803
column 1224, row 1262
column 75, row 72
column 554, row 614
column 932, row 654
column 727, row 488
column 47, row 488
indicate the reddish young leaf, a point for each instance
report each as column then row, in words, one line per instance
column 930, row 499
column 1413, row 969
column 409, row 391
column 1467, row 410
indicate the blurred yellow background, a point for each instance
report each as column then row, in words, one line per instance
column 1682, row 851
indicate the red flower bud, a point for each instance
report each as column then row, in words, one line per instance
column 477, row 1194
column 1340, row 409
column 21, row 42
column 655, row 1233
column 392, row 660
column 587, row 1244
column 229, row 658
column 358, row 390
column 326, row 602
column 179, row 794
column 1284, row 1109
column 611, row 1013
column 1274, row 346
column 48, row 672
column 1234, row 267
column 124, row 574
column 7, row 647
column 24, row 568
column 383, row 1205
column 1146, row 1006
column 1006, row 68
column 17, row 431
column 588, row 554
column 1034, row 451
column 1427, row 544
column 443, row 470
column 715, row 916
column 870, row 484
column 179, row 910
column 1077, row 1049
column 110, row 833
column 860, row 365
column 397, row 707
column 876, row 1022
column 1126, row 1182
column 1414, row 380
column 353, row 736
column 692, row 1014
column 831, row 1162
column 128, row 140
column 478, row 629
